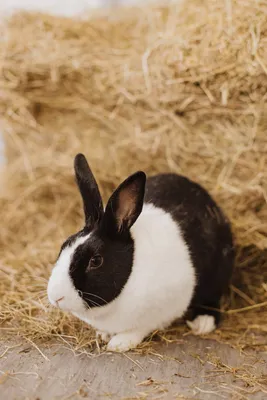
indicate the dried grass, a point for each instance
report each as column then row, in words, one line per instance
column 150, row 89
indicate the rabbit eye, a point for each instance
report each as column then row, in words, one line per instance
column 95, row 262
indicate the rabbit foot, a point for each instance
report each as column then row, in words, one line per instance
column 125, row 341
column 202, row 324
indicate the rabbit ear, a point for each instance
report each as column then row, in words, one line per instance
column 92, row 202
column 125, row 205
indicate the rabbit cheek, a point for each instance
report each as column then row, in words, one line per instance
column 61, row 290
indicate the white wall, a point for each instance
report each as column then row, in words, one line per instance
column 60, row 7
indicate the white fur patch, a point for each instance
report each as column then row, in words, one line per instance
column 124, row 341
column 158, row 291
column 60, row 284
column 202, row 324
column 160, row 286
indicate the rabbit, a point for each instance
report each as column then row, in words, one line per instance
column 160, row 247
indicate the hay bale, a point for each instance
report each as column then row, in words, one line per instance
column 159, row 89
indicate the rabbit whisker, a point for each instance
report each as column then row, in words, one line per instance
column 95, row 295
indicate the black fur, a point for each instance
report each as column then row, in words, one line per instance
column 92, row 201
column 109, row 236
column 206, row 231
column 102, row 285
column 71, row 239
column 119, row 215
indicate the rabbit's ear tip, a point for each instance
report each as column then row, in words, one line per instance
column 88, row 187
column 80, row 163
column 79, row 157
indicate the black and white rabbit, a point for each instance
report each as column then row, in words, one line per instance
column 160, row 246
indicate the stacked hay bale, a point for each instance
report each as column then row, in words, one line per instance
column 159, row 89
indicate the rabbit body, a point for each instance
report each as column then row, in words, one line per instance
column 161, row 247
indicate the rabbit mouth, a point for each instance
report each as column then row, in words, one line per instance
column 59, row 303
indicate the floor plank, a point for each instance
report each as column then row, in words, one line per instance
column 191, row 369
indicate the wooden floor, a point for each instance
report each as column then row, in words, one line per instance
column 193, row 369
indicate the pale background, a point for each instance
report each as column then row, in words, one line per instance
column 59, row 7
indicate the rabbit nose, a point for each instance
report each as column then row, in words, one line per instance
column 58, row 300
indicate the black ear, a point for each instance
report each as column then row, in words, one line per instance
column 92, row 202
column 125, row 205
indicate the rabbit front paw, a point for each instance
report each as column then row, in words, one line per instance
column 125, row 341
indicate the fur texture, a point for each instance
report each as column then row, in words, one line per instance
column 157, row 250
column 158, row 290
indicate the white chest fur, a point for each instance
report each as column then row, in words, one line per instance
column 161, row 284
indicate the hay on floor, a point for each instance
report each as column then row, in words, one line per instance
column 159, row 89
